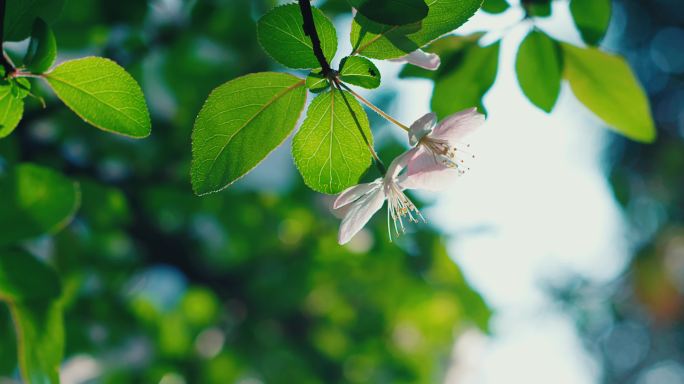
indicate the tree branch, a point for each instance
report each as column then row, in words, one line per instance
column 9, row 68
column 310, row 30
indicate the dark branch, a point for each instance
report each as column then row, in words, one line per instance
column 9, row 68
column 310, row 30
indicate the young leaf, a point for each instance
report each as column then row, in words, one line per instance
column 539, row 68
column 331, row 147
column 36, row 201
column 103, row 94
column 391, row 12
column 465, row 86
column 607, row 86
column 42, row 49
column 591, row 18
column 495, row 6
column 316, row 82
column 241, row 122
column 40, row 334
column 281, row 33
column 380, row 41
column 359, row 71
column 11, row 109
column 20, row 15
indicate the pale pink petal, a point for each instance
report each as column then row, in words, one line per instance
column 420, row 58
column 424, row 171
column 399, row 163
column 352, row 194
column 422, row 127
column 458, row 125
column 359, row 214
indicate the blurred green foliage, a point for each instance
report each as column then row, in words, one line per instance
column 248, row 283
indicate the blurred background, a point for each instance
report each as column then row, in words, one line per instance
column 558, row 258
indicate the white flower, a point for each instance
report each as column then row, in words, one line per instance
column 438, row 150
column 420, row 58
column 359, row 203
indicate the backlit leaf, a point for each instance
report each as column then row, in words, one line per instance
column 359, row 71
column 241, row 122
column 103, row 94
column 281, row 34
column 538, row 67
column 42, row 49
column 591, row 18
column 20, row 15
column 607, row 86
column 392, row 12
column 11, row 110
column 331, row 147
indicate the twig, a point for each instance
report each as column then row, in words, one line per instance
column 310, row 30
column 9, row 68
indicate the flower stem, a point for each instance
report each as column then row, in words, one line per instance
column 373, row 107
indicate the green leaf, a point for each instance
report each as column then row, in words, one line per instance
column 331, row 147
column 241, row 122
column 538, row 8
column 40, row 335
column 591, row 18
column 20, row 15
column 495, row 6
column 42, row 49
column 466, row 85
column 316, row 82
column 392, row 12
column 11, row 110
column 539, row 70
column 359, row 71
column 380, row 41
column 24, row 278
column 281, row 33
column 608, row 87
column 103, row 94
column 450, row 50
column 36, row 201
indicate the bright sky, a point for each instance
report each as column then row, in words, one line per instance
column 535, row 208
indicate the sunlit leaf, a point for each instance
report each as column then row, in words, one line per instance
column 281, row 34
column 36, row 201
column 20, row 15
column 591, row 18
column 331, row 147
column 42, row 49
column 465, row 86
column 380, row 41
column 608, row 87
column 103, row 94
column 539, row 69
column 241, row 122
column 392, row 12
column 11, row 109
column 359, row 71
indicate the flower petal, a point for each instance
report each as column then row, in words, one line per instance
column 359, row 214
column 424, row 171
column 420, row 58
column 422, row 127
column 399, row 163
column 458, row 125
column 352, row 194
